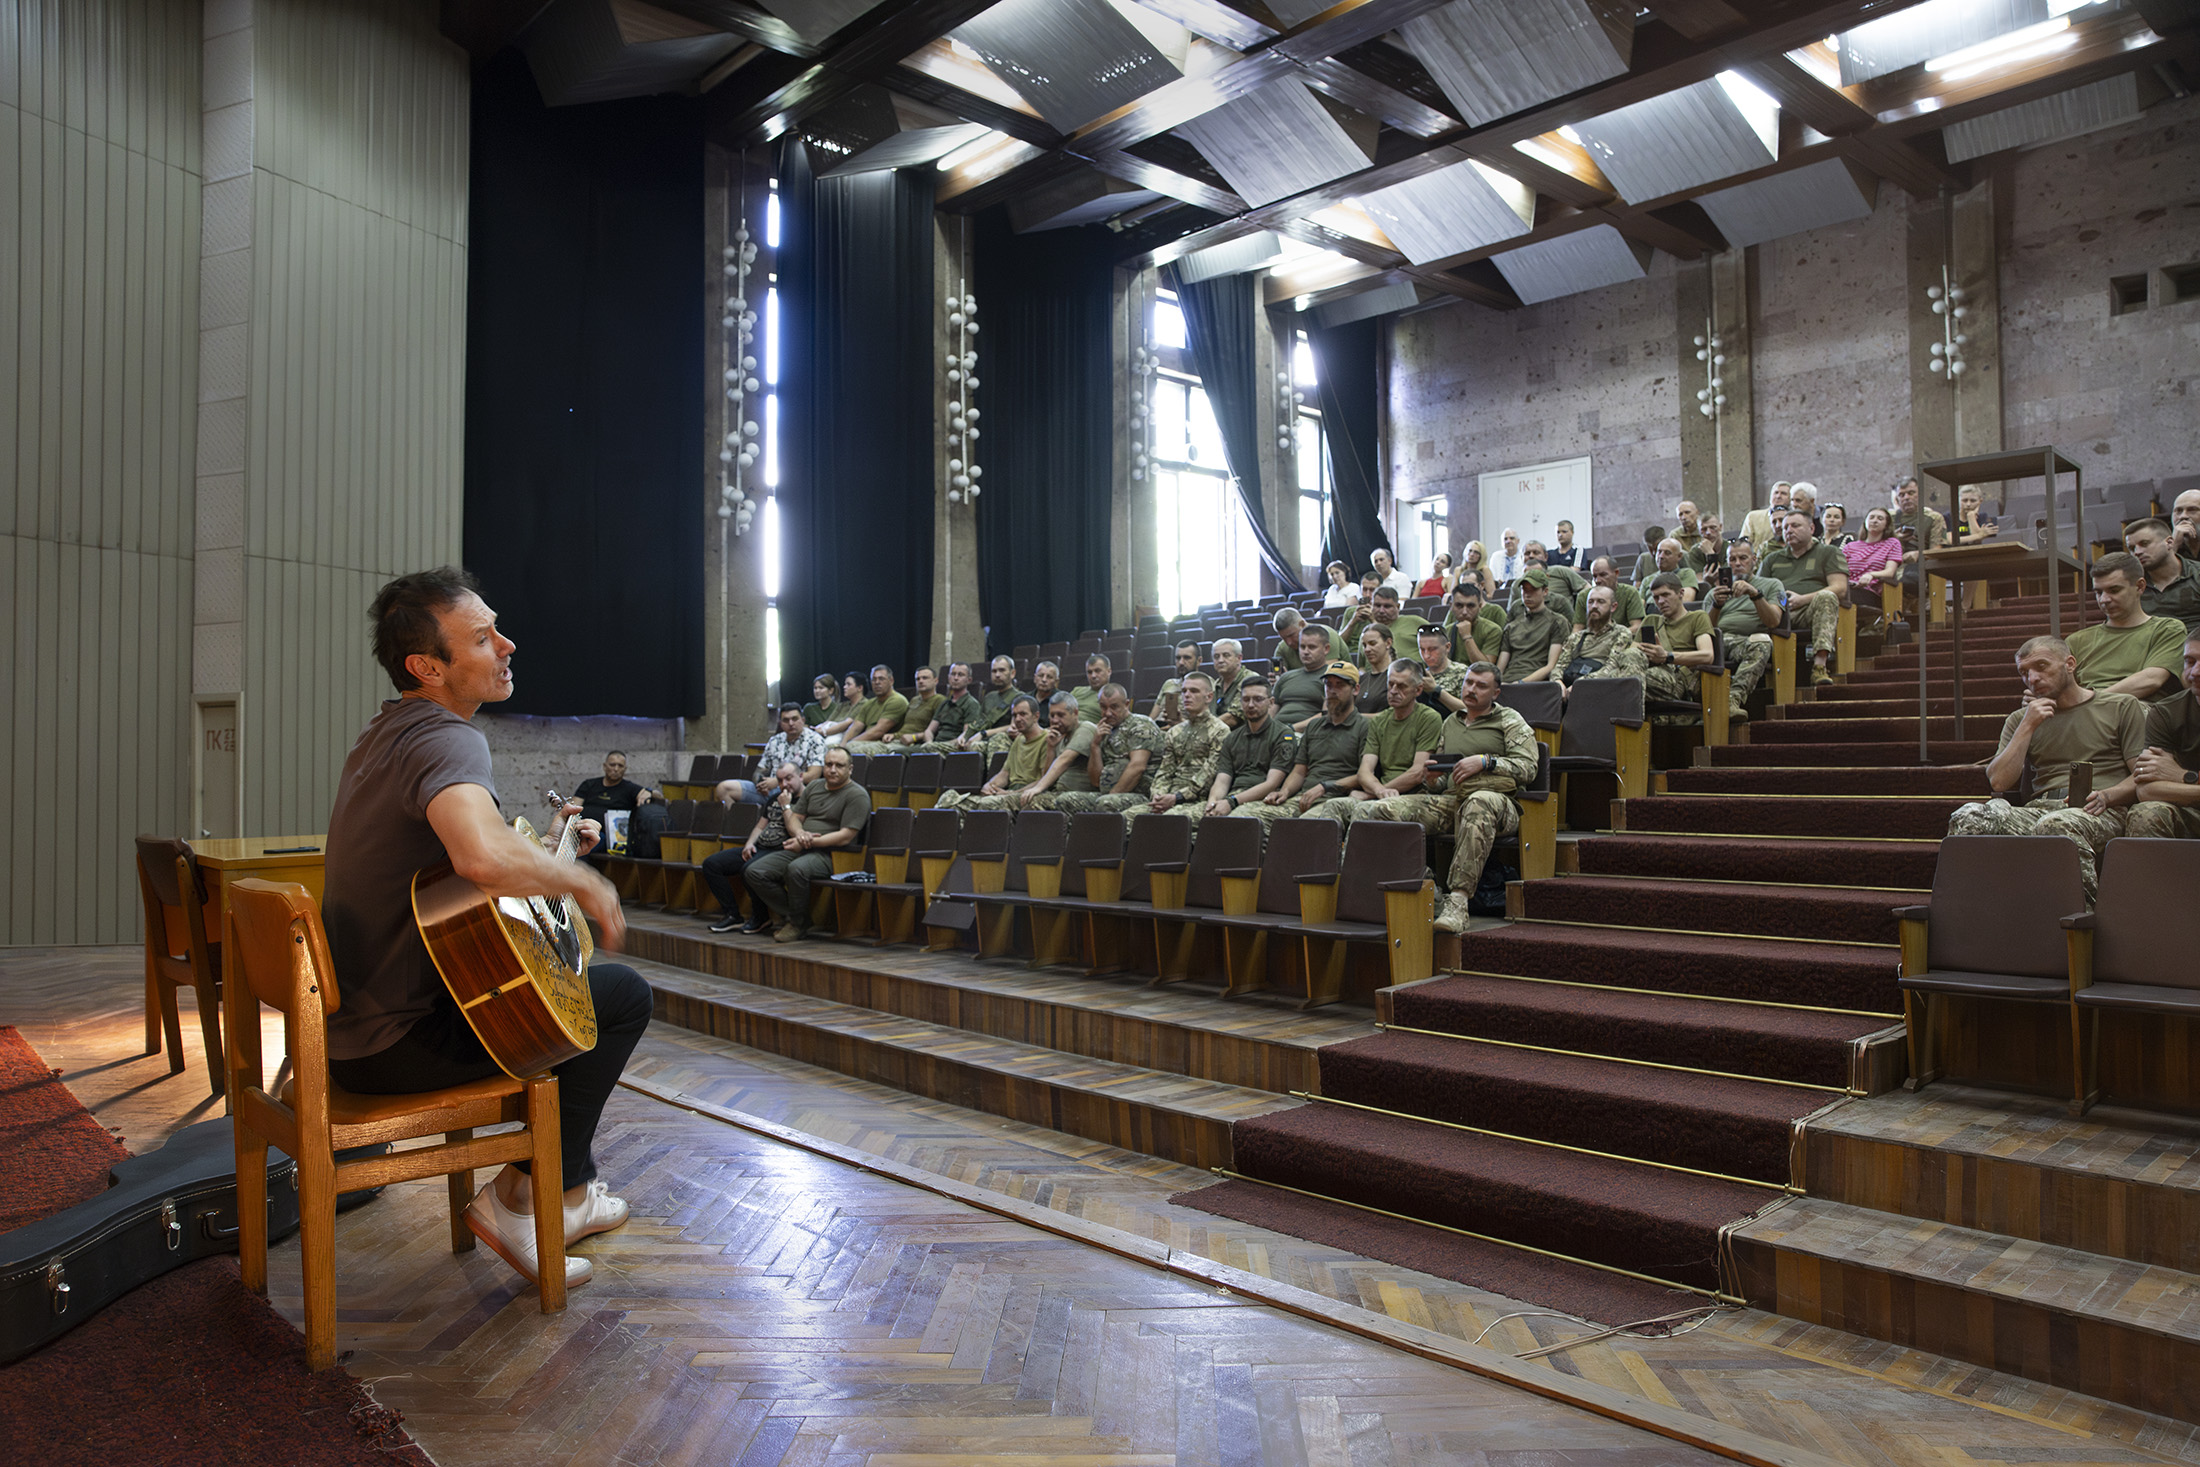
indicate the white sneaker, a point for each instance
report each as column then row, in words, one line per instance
column 511, row 1235
column 1452, row 915
column 598, row 1212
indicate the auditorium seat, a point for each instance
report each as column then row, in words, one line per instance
column 1262, row 900
column 882, row 781
column 679, row 873
column 1542, row 704
column 1000, row 883
column 962, row 772
column 1994, row 929
column 982, row 836
column 1383, row 895
column 1709, row 706
column 741, row 820
column 1187, row 892
column 920, row 780
column 2126, row 956
column 854, row 904
column 1605, row 731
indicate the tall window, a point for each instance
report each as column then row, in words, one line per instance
column 1204, row 544
column 1313, row 463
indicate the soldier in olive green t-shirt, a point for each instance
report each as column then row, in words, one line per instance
column 878, row 717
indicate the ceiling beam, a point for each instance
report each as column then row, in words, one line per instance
column 748, row 22
column 1224, row 24
column 946, row 96
column 868, row 49
column 1336, row 78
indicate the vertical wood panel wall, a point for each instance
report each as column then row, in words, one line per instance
column 355, row 452
column 99, row 246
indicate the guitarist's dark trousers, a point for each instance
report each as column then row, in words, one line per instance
column 442, row 1050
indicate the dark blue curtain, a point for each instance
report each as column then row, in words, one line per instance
column 1221, row 317
column 1047, row 387
column 584, row 511
column 1346, row 366
column 856, row 421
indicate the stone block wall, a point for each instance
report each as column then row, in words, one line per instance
column 1474, row 390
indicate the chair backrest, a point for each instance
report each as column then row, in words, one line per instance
column 1222, row 845
column 740, row 820
column 2144, row 883
column 703, row 769
column 934, row 831
column 1037, row 834
column 679, row 817
column 884, row 775
column 889, row 829
column 1095, row 835
column 1146, row 681
column 1539, row 703
column 1296, row 848
column 710, row 818
column 265, row 921
column 920, row 773
column 1998, row 904
column 736, row 766
column 1375, row 852
column 156, row 856
column 964, row 771
column 1155, row 840
column 859, row 769
column 1594, row 702
column 984, row 833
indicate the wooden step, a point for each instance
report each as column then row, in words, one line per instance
column 1183, row 1029
column 2110, row 1328
column 2125, row 1184
column 1159, row 1114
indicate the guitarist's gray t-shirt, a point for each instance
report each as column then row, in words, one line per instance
column 378, row 837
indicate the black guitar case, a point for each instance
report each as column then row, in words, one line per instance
column 164, row 1209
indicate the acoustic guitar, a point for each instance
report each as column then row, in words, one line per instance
column 518, row 966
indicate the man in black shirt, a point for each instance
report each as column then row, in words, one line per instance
column 613, row 792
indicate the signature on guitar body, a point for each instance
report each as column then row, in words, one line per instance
column 518, row 966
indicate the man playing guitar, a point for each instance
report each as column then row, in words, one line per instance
column 417, row 790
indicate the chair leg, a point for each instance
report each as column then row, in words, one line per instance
column 317, row 1254
column 210, row 1032
column 152, row 1008
column 251, row 1151
column 462, row 1193
column 172, row 1023
column 549, row 1189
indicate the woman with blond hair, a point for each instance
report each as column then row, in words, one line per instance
column 1476, row 568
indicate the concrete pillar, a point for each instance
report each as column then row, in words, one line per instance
column 958, row 633
column 1718, row 455
column 1279, row 466
column 1952, row 240
column 734, row 622
column 1134, row 570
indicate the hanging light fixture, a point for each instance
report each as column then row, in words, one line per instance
column 740, row 447
column 1143, row 363
column 963, row 432
column 1947, row 302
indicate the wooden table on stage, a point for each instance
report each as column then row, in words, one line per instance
column 1992, row 561
column 268, row 857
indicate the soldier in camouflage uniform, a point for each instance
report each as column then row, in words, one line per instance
column 1122, row 757
column 1444, row 677
column 1745, row 612
column 1604, row 640
column 2062, row 724
column 1188, row 755
column 2168, row 787
column 1816, row 577
column 1681, row 645
column 1495, row 753
column 1328, row 752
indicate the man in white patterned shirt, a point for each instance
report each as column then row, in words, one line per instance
column 796, row 743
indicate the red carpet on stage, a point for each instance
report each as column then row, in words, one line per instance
column 189, row 1368
column 53, row 1154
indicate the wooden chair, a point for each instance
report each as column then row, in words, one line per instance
column 981, row 847
column 178, row 953
column 1302, row 855
column 279, row 957
column 1606, row 730
column 2121, row 959
column 1186, row 892
column 1994, row 929
column 886, row 859
column 1542, row 704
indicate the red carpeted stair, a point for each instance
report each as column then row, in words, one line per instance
column 1736, row 932
column 1828, row 913
column 1803, row 1045
column 1916, row 817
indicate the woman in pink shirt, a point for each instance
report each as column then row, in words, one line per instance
column 1875, row 558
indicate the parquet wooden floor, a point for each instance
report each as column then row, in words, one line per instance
column 1188, row 1374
